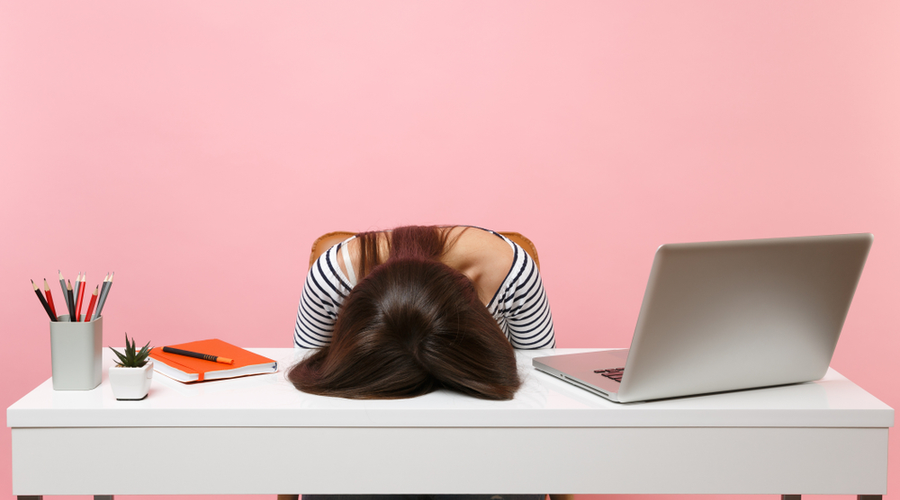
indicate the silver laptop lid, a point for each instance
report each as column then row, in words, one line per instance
column 729, row 315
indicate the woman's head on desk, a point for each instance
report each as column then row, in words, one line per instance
column 410, row 326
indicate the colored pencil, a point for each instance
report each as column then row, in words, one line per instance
column 77, row 288
column 49, row 297
column 100, row 299
column 90, row 311
column 62, row 284
column 104, row 291
column 43, row 302
column 71, row 301
column 80, row 299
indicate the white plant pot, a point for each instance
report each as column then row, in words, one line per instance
column 131, row 383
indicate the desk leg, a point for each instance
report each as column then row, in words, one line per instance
column 41, row 497
column 858, row 497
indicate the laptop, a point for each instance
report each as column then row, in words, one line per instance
column 728, row 315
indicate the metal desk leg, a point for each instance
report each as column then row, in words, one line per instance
column 41, row 497
column 858, row 497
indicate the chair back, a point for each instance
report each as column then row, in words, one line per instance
column 328, row 240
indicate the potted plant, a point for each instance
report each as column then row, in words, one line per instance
column 130, row 378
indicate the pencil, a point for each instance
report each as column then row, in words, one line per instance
column 90, row 311
column 71, row 301
column 104, row 291
column 101, row 296
column 208, row 357
column 62, row 284
column 49, row 298
column 77, row 287
column 43, row 302
column 80, row 295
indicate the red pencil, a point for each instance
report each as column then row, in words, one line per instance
column 90, row 311
column 49, row 297
column 80, row 299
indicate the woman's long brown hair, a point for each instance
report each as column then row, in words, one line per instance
column 411, row 325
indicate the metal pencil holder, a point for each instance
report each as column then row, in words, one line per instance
column 75, row 350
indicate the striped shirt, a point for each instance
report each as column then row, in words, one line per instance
column 520, row 305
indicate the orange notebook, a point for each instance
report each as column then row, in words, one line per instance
column 188, row 369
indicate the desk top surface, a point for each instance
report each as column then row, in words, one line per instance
column 543, row 401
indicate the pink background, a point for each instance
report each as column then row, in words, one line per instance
column 197, row 148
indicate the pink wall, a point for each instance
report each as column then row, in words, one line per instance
column 197, row 148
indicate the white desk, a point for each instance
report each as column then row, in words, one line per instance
column 259, row 435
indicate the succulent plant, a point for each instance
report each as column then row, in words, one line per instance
column 132, row 359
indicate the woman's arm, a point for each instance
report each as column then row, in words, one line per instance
column 323, row 293
column 526, row 307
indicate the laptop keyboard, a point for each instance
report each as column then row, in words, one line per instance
column 612, row 373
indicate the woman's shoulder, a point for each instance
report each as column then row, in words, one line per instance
column 479, row 242
column 483, row 256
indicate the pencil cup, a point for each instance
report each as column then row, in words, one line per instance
column 75, row 350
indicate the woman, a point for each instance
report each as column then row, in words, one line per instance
column 433, row 307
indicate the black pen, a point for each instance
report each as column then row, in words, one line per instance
column 208, row 357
